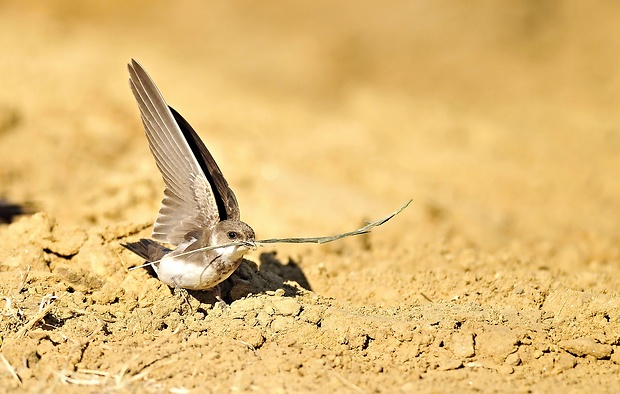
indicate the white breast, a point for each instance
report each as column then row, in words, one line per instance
column 202, row 271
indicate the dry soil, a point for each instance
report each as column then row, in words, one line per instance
column 500, row 119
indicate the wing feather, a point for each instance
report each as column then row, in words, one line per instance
column 226, row 201
column 189, row 203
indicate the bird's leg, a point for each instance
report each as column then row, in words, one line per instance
column 217, row 292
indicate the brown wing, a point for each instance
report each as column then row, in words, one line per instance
column 227, row 205
column 189, row 204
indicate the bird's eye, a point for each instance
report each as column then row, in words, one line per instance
column 232, row 235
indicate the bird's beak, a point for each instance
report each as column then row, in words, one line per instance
column 250, row 244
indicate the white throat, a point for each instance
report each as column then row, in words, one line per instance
column 233, row 252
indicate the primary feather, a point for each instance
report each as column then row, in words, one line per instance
column 196, row 196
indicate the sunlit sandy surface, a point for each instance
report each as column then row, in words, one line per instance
column 502, row 123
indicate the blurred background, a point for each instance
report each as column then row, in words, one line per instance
column 500, row 119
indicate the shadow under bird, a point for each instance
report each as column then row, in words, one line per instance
column 199, row 210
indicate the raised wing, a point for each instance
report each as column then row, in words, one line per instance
column 189, row 204
column 227, row 204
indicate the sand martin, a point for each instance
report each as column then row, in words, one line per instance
column 198, row 209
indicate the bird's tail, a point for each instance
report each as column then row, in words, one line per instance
column 148, row 249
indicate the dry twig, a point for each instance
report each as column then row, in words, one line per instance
column 43, row 310
column 10, row 368
column 301, row 240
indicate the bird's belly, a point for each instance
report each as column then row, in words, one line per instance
column 203, row 275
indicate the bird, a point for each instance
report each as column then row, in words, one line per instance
column 198, row 209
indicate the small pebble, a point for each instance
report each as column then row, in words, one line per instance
column 462, row 345
column 497, row 342
column 513, row 359
column 565, row 361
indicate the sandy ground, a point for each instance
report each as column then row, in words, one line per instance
column 501, row 121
